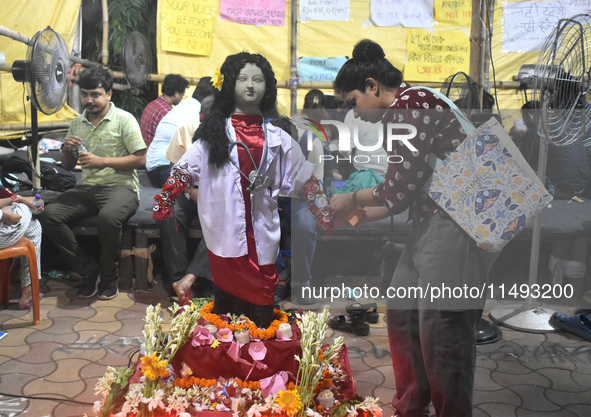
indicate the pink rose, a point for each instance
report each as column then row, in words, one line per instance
column 201, row 337
column 225, row 335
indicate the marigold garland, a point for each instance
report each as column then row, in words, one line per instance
column 264, row 334
column 190, row 381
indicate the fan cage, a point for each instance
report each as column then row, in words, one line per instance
column 463, row 91
column 136, row 57
column 48, row 61
column 561, row 82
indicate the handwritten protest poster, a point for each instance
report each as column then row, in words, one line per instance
column 187, row 26
column 454, row 12
column 254, row 12
column 432, row 56
column 320, row 69
column 333, row 10
column 407, row 13
column 528, row 23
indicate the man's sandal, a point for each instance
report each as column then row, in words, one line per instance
column 369, row 311
column 356, row 325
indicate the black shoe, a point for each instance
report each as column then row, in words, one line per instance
column 89, row 286
column 282, row 292
column 108, row 290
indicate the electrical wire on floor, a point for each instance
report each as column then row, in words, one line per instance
column 64, row 400
column 39, row 397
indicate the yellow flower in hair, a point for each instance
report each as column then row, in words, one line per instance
column 218, row 79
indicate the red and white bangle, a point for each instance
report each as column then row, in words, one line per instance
column 14, row 198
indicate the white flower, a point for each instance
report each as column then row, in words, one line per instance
column 438, row 107
column 422, row 136
column 421, row 94
column 98, row 405
column 416, row 114
column 103, row 386
column 400, row 196
column 127, row 408
column 391, row 183
column 312, row 413
column 420, row 174
column 221, row 407
column 425, row 105
column 352, row 411
column 406, row 165
column 155, row 401
column 411, row 187
column 426, row 120
column 405, row 97
column 370, row 405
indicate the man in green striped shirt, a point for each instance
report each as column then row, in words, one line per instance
column 108, row 143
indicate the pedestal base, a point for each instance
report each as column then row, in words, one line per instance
column 534, row 320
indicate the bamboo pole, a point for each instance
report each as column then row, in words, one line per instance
column 12, row 34
column 41, row 125
column 293, row 72
column 304, row 85
column 105, row 51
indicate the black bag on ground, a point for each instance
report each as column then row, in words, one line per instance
column 53, row 177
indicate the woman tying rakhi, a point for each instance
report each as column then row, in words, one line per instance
column 241, row 161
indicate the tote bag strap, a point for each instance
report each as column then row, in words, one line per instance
column 462, row 118
column 434, row 161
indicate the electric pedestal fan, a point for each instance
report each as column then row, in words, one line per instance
column 560, row 82
column 45, row 73
column 136, row 59
column 463, row 91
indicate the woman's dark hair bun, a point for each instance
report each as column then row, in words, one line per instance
column 367, row 49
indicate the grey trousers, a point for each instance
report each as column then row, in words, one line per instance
column 113, row 206
column 433, row 344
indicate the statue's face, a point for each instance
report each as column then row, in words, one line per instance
column 250, row 87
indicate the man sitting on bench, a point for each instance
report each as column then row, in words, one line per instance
column 108, row 143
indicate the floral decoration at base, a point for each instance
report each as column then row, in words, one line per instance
column 318, row 381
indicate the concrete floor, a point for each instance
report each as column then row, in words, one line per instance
column 51, row 369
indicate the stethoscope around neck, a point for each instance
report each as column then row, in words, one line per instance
column 255, row 177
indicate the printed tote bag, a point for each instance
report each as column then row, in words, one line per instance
column 486, row 185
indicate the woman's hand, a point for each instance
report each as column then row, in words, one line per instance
column 10, row 218
column 29, row 202
column 340, row 204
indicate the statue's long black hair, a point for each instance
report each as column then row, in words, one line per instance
column 212, row 130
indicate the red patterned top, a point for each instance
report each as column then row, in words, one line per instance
column 153, row 113
column 438, row 132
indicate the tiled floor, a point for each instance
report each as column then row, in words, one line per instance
column 51, row 369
